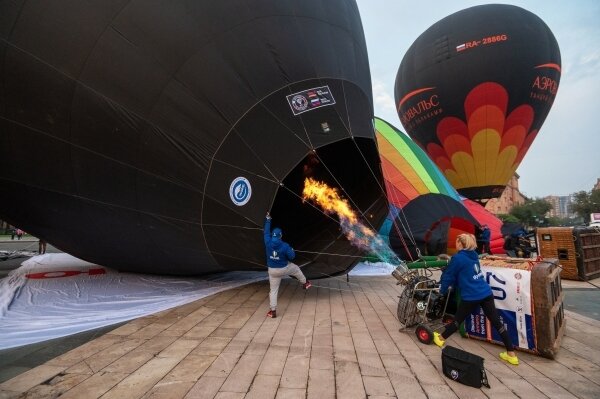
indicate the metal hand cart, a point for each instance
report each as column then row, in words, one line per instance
column 421, row 303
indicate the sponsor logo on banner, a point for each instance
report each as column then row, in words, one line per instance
column 512, row 295
column 240, row 191
column 310, row 99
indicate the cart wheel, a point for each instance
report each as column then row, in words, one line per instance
column 424, row 334
column 447, row 319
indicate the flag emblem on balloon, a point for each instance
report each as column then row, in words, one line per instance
column 310, row 99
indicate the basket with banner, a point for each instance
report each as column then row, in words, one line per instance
column 529, row 299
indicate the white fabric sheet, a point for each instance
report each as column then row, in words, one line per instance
column 372, row 269
column 55, row 295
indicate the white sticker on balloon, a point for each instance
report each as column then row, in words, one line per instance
column 240, row 191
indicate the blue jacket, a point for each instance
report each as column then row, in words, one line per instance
column 486, row 235
column 464, row 272
column 279, row 252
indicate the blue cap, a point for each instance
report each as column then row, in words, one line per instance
column 277, row 232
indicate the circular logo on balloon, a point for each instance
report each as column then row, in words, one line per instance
column 299, row 102
column 240, row 191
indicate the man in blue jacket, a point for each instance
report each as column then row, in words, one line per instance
column 279, row 254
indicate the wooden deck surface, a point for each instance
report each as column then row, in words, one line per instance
column 336, row 340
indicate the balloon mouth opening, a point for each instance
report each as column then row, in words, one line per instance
column 482, row 194
column 322, row 248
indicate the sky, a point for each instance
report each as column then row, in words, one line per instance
column 565, row 156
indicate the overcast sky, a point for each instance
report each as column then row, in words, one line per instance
column 565, row 156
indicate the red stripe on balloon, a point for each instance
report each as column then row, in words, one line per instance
column 411, row 94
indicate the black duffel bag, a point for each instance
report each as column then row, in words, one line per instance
column 464, row 367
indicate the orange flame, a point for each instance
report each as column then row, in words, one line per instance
column 332, row 203
column 328, row 199
column 357, row 233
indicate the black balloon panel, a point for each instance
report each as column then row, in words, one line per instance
column 154, row 136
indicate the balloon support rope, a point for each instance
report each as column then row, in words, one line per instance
column 327, row 253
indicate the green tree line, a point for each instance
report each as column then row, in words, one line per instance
column 533, row 212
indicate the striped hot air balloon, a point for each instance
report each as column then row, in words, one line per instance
column 425, row 210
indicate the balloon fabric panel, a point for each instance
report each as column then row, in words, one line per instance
column 163, row 132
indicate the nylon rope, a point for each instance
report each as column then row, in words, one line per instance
column 383, row 191
column 406, row 228
column 328, row 253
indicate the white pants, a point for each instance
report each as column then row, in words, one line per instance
column 275, row 276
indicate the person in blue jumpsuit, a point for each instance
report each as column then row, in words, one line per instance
column 464, row 273
column 279, row 256
column 486, row 235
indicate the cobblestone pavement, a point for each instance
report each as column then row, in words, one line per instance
column 337, row 340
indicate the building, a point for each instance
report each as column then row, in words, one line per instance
column 510, row 197
column 597, row 185
column 561, row 205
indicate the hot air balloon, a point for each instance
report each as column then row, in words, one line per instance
column 154, row 136
column 426, row 212
column 474, row 89
column 485, row 217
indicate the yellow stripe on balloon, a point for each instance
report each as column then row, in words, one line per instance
column 485, row 146
column 504, row 166
column 465, row 169
column 406, row 171
column 454, row 179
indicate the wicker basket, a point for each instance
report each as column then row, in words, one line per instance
column 550, row 323
column 546, row 299
column 577, row 250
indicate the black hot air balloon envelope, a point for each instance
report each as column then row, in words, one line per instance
column 474, row 89
column 154, row 136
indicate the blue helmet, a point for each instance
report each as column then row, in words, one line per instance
column 277, row 232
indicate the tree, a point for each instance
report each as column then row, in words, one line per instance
column 508, row 218
column 585, row 203
column 556, row 221
column 532, row 212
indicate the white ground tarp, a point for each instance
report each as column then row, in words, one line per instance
column 372, row 269
column 55, row 295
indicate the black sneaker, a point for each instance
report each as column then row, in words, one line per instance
column 307, row 285
column 272, row 314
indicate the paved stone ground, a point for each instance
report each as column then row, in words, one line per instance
column 336, row 340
